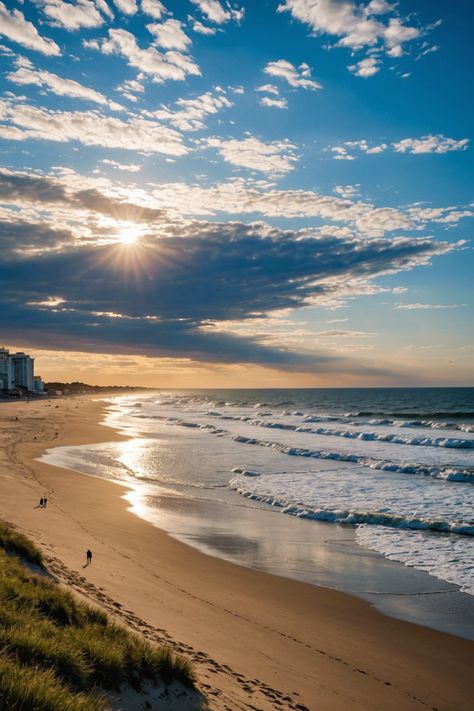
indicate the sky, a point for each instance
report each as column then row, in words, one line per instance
column 205, row 193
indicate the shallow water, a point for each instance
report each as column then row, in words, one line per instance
column 396, row 467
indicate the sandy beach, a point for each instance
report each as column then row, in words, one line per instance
column 258, row 641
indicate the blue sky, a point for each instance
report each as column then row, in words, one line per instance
column 215, row 193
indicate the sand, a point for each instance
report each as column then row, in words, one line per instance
column 258, row 641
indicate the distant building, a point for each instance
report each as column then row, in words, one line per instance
column 17, row 371
column 39, row 385
column 6, row 379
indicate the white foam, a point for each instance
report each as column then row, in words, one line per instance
column 446, row 557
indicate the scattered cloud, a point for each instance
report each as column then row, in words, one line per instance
column 366, row 67
column 347, row 191
column 161, row 66
column 189, row 114
column 274, row 157
column 170, row 35
column 428, row 307
column 268, row 89
column 26, row 73
column 426, row 144
column 128, row 7
column 298, row 77
column 202, row 29
column 340, row 153
column 217, row 13
column 273, row 103
column 129, row 167
column 373, row 26
column 430, row 144
column 354, row 24
column 16, row 28
column 89, row 128
column 82, row 13
column 153, row 8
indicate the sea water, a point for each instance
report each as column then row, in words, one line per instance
column 394, row 468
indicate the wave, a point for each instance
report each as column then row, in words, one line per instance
column 453, row 442
column 346, row 516
column 455, row 415
column 444, row 473
column 447, row 442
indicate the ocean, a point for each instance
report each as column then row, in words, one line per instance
column 329, row 486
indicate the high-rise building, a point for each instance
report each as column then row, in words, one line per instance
column 23, row 370
column 6, row 375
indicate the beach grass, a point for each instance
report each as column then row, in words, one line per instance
column 57, row 652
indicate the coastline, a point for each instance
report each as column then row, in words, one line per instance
column 258, row 640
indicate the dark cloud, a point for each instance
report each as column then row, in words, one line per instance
column 198, row 272
column 31, row 189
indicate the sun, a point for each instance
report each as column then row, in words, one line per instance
column 129, row 235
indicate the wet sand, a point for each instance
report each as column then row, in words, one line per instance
column 259, row 641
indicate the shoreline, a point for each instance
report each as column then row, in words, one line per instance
column 257, row 639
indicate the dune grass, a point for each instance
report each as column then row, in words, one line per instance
column 13, row 542
column 56, row 651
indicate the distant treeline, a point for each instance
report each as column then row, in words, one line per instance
column 77, row 388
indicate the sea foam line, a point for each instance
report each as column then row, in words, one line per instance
column 444, row 473
column 447, row 442
column 346, row 516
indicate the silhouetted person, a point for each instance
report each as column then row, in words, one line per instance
column 45, row 501
column 89, row 557
column 41, row 503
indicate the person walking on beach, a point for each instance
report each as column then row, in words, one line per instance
column 89, row 557
column 41, row 503
column 45, row 501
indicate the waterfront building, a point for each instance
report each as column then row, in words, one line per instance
column 17, row 371
column 6, row 379
column 23, row 371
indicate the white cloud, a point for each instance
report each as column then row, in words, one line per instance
column 427, row 307
column 396, row 33
column 129, row 88
column 296, row 77
column 396, row 51
column 346, row 191
column 202, row 29
column 170, row 35
column 160, row 65
column 273, row 103
column 427, row 49
column 128, row 167
column 83, row 13
column 268, row 89
column 26, row 73
column 364, row 146
column 14, row 26
column 190, row 112
column 128, row 7
column 215, row 12
column 366, row 67
column 340, row 153
column 153, row 8
column 274, row 158
column 379, row 7
column 91, row 129
column 430, row 144
column 357, row 26
column 427, row 144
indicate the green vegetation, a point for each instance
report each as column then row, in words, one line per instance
column 13, row 542
column 55, row 650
